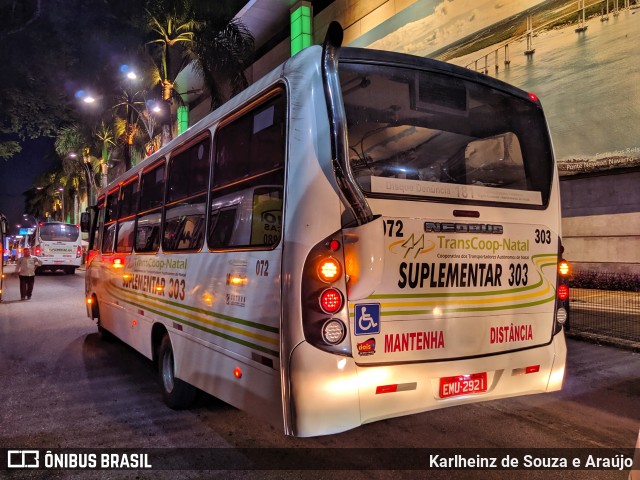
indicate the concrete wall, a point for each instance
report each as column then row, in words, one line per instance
column 357, row 17
column 601, row 220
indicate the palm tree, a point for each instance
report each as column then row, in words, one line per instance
column 133, row 124
column 79, row 166
column 189, row 32
column 46, row 199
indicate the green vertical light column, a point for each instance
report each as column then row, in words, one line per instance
column 183, row 118
column 300, row 27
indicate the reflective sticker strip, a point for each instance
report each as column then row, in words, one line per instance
column 398, row 387
column 526, row 370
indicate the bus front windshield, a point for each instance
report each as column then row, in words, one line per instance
column 428, row 135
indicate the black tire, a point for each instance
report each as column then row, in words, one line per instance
column 176, row 393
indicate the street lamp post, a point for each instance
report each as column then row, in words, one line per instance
column 61, row 190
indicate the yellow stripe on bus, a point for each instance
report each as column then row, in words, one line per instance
column 137, row 299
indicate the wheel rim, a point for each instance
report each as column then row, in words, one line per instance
column 167, row 371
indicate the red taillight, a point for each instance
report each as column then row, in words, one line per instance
column 78, row 252
column 563, row 292
column 533, row 97
column 38, row 251
column 331, row 300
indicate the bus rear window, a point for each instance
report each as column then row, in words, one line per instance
column 433, row 136
column 59, row 232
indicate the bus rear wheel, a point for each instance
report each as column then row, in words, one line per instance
column 176, row 393
column 104, row 334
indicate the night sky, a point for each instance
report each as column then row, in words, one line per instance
column 19, row 174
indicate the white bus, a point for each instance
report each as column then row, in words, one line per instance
column 58, row 245
column 343, row 242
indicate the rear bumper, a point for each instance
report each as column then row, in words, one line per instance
column 331, row 394
column 52, row 263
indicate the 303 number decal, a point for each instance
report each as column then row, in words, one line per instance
column 518, row 274
column 543, row 236
column 176, row 288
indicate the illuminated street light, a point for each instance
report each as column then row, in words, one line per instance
column 85, row 96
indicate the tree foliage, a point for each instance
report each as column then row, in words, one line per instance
column 49, row 50
column 184, row 32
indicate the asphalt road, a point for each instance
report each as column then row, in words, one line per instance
column 63, row 387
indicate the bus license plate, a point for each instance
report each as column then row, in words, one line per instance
column 463, row 385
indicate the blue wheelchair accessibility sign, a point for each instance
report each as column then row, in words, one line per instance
column 367, row 318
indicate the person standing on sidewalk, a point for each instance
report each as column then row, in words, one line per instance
column 26, row 269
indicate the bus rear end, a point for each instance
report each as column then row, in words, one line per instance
column 450, row 293
column 58, row 246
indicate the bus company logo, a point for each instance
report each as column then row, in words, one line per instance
column 23, row 459
column 449, row 227
column 366, row 348
column 412, row 247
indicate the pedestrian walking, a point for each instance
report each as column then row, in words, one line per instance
column 26, row 270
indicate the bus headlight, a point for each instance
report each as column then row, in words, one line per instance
column 333, row 331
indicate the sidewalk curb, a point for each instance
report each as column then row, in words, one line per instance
column 604, row 340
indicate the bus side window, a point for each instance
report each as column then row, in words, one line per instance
column 186, row 198
column 147, row 232
column 111, row 208
column 221, row 229
column 248, row 177
column 109, row 237
column 124, row 243
column 128, row 205
column 266, row 216
column 97, row 233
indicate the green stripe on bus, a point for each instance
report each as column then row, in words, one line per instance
column 201, row 327
column 240, row 321
column 208, row 330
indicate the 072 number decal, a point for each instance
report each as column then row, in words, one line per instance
column 390, row 225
